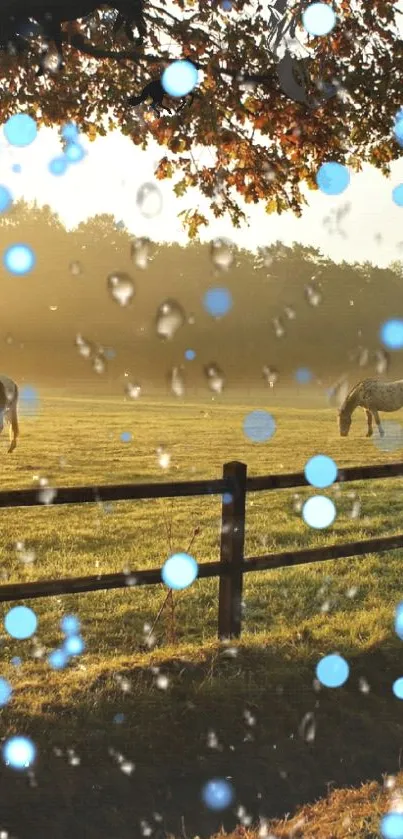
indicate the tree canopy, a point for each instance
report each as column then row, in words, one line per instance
column 264, row 144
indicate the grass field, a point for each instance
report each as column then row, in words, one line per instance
column 197, row 709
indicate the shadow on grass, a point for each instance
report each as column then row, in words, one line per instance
column 148, row 770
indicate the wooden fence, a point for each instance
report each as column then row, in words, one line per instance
column 232, row 564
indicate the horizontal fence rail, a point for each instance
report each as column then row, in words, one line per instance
column 232, row 564
column 135, row 492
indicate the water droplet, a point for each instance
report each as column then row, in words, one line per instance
column 120, row 287
column 140, row 252
column 382, row 361
column 337, row 393
column 313, row 295
column 215, row 377
column 177, row 381
column 51, row 61
column 163, row 457
column 363, row 357
column 169, row 318
column 270, row 374
column 222, row 254
column 132, row 390
column 290, row 312
column 307, row 727
column 278, row 327
column 99, row 362
column 149, row 200
column 75, row 268
column 85, row 348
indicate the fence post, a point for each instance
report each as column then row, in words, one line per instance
column 232, row 547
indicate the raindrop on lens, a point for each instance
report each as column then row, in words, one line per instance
column 121, row 288
column 382, row 361
column 278, row 327
column 312, row 294
column 215, row 377
column 149, row 200
column 51, row 62
column 270, row 374
column 177, row 381
column 132, row 390
column 140, row 252
column 169, row 318
column 75, row 268
column 222, row 254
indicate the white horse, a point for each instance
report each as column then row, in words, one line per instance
column 8, row 408
column 373, row 396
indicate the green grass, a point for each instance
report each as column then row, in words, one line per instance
column 291, row 618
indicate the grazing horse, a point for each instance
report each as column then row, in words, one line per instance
column 15, row 18
column 373, row 396
column 8, row 408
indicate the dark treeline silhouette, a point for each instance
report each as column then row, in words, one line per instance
column 330, row 313
column 16, row 29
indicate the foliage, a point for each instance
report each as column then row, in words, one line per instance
column 263, row 145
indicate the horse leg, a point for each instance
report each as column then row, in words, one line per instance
column 369, row 420
column 378, row 422
column 14, row 428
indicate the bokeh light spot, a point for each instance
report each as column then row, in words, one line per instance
column 319, row 19
column 19, row 258
column 179, row 571
column 397, row 195
column 259, row 426
column 397, row 688
column 19, row 752
column 217, row 301
column 179, row 78
column 319, row 512
column 320, row 471
column 391, row 334
column 332, row 670
column 5, row 199
column 332, row 178
column 20, row 130
column 218, row 794
column 392, row 826
column 5, row 691
column 20, row 622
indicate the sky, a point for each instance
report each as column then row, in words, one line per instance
column 109, row 177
